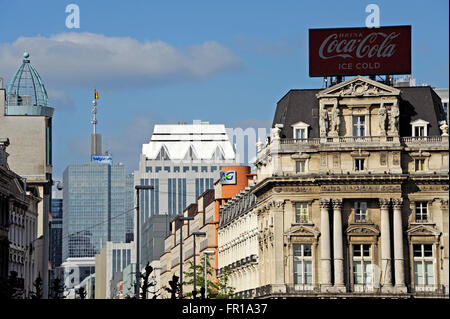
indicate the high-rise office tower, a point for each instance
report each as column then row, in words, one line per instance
column 180, row 162
column 97, row 202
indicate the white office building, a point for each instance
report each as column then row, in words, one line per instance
column 443, row 94
column 180, row 162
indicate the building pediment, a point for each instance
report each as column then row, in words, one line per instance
column 303, row 231
column 423, row 230
column 300, row 124
column 358, row 87
column 363, row 230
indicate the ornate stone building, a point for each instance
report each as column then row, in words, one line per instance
column 18, row 225
column 352, row 193
column 238, row 243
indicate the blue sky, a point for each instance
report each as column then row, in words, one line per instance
column 230, row 61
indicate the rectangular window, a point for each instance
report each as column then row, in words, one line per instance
column 176, row 169
column 359, row 164
column 197, row 188
column 195, row 169
column 302, row 265
column 419, row 164
column 204, row 169
column 213, row 168
column 300, row 166
column 148, row 169
column 124, row 259
column 167, row 169
column 301, row 212
column 421, row 211
column 157, row 169
column 360, row 212
column 300, row 133
column 423, row 266
column 419, row 131
column 359, row 126
column 114, row 261
column 362, row 266
column 169, row 197
column 185, row 169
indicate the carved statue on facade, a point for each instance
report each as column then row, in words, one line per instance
column 323, row 122
column 335, row 120
column 444, row 128
column 382, row 116
column 395, row 114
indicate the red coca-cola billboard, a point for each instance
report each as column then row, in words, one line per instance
column 360, row 51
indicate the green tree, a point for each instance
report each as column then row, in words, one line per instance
column 37, row 294
column 11, row 288
column 57, row 289
column 81, row 292
column 145, row 281
column 220, row 289
column 225, row 290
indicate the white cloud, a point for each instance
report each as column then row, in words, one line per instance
column 88, row 59
column 60, row 99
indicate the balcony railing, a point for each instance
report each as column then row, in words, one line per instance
column 300, row 141
column 421, row 139
column 361, row 139
column 427, row 289
column 301, row 288
column 364, row 288
column 358, row 139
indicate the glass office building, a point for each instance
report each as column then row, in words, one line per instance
column 56, row 232
column 97, row 207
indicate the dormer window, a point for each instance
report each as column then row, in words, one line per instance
column 419, row 128
column 300, row 130
column 300, row 133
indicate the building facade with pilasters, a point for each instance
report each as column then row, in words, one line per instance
column 352, row 194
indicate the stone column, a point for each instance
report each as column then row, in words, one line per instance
column 386, row 279
column 325, row 255
column 398, row 246
column 277, row 249
column 338, row 246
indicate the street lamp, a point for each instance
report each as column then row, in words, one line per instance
column 200, row 234
column 182, row 219
column 207, row 252
column 138, row 234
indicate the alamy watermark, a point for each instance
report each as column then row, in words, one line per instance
column 373, row 19
column 73, row 19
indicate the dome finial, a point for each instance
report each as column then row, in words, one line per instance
column 26, row 55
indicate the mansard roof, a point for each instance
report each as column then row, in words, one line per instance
column 419, row 102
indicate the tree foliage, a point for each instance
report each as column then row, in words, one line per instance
column 145, row 281
column 219, row 289
column 11, row 288
column 37, row 284
column 57, row 289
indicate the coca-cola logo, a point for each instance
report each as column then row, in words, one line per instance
column 375, row 44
